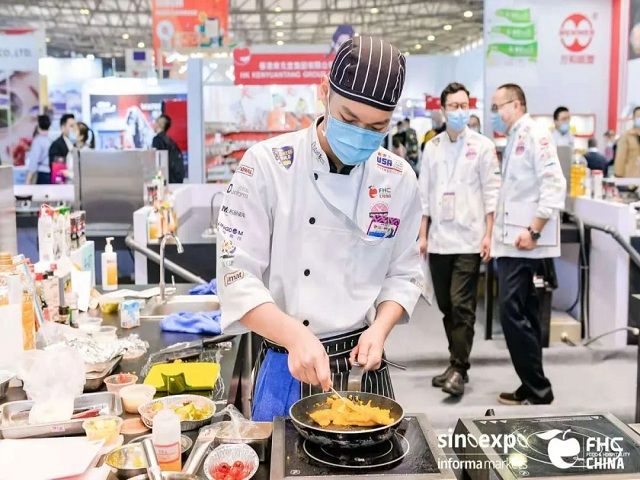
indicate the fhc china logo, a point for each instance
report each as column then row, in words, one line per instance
column 576, row 33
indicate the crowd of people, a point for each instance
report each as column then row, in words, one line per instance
column 50, row 161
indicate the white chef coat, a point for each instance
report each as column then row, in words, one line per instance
column 292, row 233
column 531, row 173
column 563, row 139
column 469, row 169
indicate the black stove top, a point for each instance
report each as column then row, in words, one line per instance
column 580, row 446
column 408, row 454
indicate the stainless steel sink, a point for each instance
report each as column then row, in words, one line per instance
column 155, row 308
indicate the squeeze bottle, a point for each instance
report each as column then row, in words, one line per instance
column 166, row 440
column 109, row 267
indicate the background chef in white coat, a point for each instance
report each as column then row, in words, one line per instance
column 526, row 229
column 317, row 238
column 459, row 182
column 562, row 133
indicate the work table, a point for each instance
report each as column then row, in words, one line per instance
column 231, row 364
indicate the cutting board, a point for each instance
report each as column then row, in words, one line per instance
column 198, row 375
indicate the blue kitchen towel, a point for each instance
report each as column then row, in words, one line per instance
column 192, row 322
column 276, row 390
column 210, row 288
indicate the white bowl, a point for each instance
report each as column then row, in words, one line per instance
column 134, row 396
column 89, row 324
column 229, row 454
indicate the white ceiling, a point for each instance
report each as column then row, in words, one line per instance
column 98, row 26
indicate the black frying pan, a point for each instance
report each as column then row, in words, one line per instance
column 344, row 437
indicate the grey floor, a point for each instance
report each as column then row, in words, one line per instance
column 585, row 379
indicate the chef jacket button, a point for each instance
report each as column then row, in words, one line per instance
column 312, row 220
column 306, row 323
column 315, row 176
column 307, row 272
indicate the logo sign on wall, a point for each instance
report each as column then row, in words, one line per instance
column 576, row 34
column 279, row 68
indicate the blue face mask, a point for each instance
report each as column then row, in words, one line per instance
column 351, row 144
column 636, row 122
column 458, row 119
column 72, row 137
column 498, row 125
column 564, row 127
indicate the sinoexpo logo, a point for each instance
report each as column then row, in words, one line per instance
column 576, row 32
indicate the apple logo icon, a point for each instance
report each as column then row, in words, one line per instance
column 373, row 191
column 561, row 448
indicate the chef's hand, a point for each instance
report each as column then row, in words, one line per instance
column 485, row 249
column 423, row 246
column 525, row 242
column 368, row 352
column 308, row 361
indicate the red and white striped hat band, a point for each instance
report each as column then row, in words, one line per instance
column 370, row 71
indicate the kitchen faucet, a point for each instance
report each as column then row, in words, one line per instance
column 163, row 244
column 211, row 232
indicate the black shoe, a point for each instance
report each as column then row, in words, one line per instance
column 518, row 398
column 454, row 385
column 438, row 380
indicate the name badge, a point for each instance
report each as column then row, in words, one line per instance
column 448, row 206
column 383, row 226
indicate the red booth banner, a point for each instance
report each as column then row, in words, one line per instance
column 433, row 103
column 279, row 68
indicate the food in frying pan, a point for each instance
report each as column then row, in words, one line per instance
column 346, row 412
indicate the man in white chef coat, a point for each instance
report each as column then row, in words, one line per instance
column 317, row 238
column 526, row 230
column 562, row 133
column 459, row 183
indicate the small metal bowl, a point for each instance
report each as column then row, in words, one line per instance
column 5, row 379
column 185, row 425
column 185, row 442
column 122, row 461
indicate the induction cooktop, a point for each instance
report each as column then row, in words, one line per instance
column 411, row 454
column 585, row 446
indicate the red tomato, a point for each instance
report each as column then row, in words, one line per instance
column 223, row 468
column 229, row 477
column 219, row 476
column 238, row 464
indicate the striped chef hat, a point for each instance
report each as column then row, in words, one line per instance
column 370, row 71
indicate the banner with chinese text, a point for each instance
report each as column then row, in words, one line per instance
column 279, row 68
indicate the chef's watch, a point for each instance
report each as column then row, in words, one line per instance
column 535, row 235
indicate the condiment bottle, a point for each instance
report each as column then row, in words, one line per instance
column 166, row 440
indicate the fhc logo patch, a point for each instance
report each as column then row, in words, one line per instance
column 388, row 165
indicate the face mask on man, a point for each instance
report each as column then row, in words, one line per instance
column 352, row 145
column 475, row 129
column 498, row 124
column 564, row 128
column 73, row 136
column 636, row 122
column 458, row 119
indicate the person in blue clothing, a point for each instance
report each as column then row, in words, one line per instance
column 595, row 159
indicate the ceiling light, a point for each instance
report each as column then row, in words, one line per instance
column 468, row 14
column 84, row 11
column 91, row 56
column 356, row 34
column 279, row 23
column 407, row 53
column 140, row 44
column 375, row 10
column 431, row 38
column 280, row 34
column 278, row 9
column 125, row 36
column 48, row 40
column 280, row 42
column 417, row 46
column 447, row 27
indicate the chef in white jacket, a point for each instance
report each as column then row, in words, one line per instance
column 459, row 183
column 317, row 249
column 526, row 230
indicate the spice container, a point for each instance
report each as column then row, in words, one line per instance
column 63, row 315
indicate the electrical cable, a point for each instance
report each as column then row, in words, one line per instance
column 565, row 337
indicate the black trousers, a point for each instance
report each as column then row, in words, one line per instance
column 455, row 284
column 519, row 315
column 44, row 178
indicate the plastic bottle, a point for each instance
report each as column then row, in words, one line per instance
column 153, row 226
column 578, row 176
column 597, row 184
column 109, row 267
column 45, row 234
column 166, row 440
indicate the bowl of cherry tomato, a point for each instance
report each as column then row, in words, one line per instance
column 231, row 462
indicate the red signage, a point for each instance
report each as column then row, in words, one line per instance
column 576, row 32
column 433, row 103
column 279, row 68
